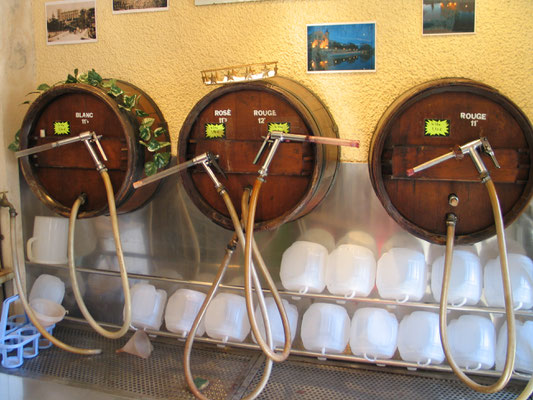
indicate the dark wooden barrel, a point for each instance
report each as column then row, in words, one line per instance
column 59, row 175
column 429, row 120
column 231, row 121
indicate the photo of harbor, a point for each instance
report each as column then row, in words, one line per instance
column 341, row 47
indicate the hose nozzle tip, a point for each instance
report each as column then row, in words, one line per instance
column 410, row 172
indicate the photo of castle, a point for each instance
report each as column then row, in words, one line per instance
column 341, row 47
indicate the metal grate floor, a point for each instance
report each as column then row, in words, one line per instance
column 231, row 372
column 305, row 381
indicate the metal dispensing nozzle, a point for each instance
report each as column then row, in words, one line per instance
column 48, row 146
column 468, row 148
column 99, row 165
column 274, row 138
column 273, row 143
column 206, row 160
column 85, row 137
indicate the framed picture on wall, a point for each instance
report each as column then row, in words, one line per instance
column 129, row 6
column 448, row 17
column 70, row 22
column 342, row 47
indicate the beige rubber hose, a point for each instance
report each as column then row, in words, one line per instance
column 121, row 263
column 511, row 338
column 25, row 304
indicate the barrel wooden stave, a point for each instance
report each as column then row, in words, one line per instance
column 300, row 174
column 58, row 176
column 419, row 203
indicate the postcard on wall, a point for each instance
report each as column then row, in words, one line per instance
column 341, row 47
column 130, row 6
column 448, row 17
column 70, row 21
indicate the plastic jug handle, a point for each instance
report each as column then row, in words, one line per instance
column 403, row 300
column 424, row 364
column 350, row 295
column 29, row 250
column 476, row 368
column 303, row 290
column 461, row 303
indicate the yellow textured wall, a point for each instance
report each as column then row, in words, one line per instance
column 163, row 53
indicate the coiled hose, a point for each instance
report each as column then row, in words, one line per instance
column 248, row 270
column 211, row 294
column 511, row 339
column 120, row 256
column 22, row 296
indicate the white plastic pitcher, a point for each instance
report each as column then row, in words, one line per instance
column 351, row 271
column 303, row 267
column 147, row 306
column 472, row 341
column 520, row 271
column 325, row 328
column 226, row 318
column 276, row 327
column 48, row 287
column 524, row 347
column 466, row 281
column 48, row 245
column 401, row 275
column 182, row 308
column 374, row 333
column 419, row 338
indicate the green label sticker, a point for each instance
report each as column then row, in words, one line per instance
column 284, row 127
column 61, row 128
column 215, row 131
column 437, row 127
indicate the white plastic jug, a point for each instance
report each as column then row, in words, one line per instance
column 325, row 328
column 48, row 245
column 147, row 306
column 520, row 271
column 303, row 267
column 419, row 338
column 438, row 250
column 472, row 341
column 182, row 308
column 401, row 275
column 374, row 333
column 360, row 238
column 226, row 318
column 48, row 287
column 351, row 271
column 524, row 347
column 466, row 280
column 276, row 327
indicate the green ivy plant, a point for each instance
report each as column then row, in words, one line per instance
column 130, row 103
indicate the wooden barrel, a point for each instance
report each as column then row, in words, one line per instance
column 430, row 120
column 232, row 121
column 59, row 175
